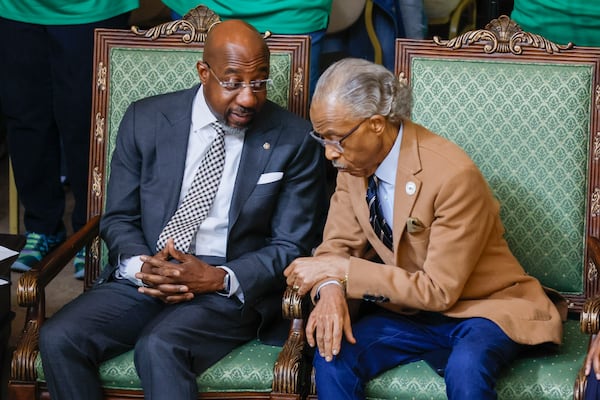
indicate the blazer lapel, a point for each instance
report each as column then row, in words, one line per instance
column 259, row 144
column 172, row 134
column 406, row 191
column 407, row 184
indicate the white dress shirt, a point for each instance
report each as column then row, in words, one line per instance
column 211, row 237
column 386, row 174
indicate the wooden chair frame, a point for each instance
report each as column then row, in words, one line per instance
column 188, row 33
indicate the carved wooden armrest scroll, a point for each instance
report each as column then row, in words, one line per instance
column 288, row 370
column 30, row 294
column 22, row 366
column 590, row 314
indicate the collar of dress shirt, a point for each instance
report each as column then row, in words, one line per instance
column 387, row 169
column 201, row 114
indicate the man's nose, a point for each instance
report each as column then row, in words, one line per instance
column 246, row 97
column 331, row 153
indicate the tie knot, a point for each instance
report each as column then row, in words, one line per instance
column 218, row 128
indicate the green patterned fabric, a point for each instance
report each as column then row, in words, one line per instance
column 542, row 375
column 526, row 127
column 247, row 368
column 137, row 73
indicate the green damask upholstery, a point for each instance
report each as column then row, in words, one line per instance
column 543, row 374
column 248, row 368
column 526, row 128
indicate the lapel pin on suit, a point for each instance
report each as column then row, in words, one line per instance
column 266, row 145
column 414, row 225
column 410, row 188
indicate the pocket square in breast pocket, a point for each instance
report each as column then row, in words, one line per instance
column 269, row 177
column 414, row 225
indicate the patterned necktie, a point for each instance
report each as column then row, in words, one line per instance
column 197, row 202
column 378, row 222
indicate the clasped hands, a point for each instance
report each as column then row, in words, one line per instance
column 330, row 319
column 175, row 282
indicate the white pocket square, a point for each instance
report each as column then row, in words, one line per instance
column 269, row 177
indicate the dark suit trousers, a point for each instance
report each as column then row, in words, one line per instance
column 173, row 343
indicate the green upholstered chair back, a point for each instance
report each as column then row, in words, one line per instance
column 527, row 112
column 130, row 65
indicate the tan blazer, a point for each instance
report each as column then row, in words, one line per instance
column 449, row 252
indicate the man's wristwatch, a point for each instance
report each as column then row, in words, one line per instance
column 226, row 283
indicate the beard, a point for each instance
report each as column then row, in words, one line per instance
column 231, row 130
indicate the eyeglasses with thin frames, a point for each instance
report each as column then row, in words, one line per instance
column 336, row 144
column 233, row 86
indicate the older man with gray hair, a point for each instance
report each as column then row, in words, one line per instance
column 414, row 235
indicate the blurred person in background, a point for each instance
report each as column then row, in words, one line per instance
column 45, row 91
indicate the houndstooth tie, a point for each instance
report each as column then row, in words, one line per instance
column 197, row 202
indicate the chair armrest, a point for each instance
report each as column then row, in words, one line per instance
column 31, row 294
column 33, row 283
column 292, row 365
column 589, row 319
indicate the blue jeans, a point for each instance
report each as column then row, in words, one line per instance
column 475, row 349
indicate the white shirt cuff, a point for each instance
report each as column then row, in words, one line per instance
column 234, row 285
column 128, row 267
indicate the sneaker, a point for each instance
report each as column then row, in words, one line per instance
column 79, row 264
column 36, row 247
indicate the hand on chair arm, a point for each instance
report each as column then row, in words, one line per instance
column 306, row 272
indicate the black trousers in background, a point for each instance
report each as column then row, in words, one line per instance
column 45, row 97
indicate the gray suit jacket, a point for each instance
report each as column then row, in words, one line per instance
column 269, row 224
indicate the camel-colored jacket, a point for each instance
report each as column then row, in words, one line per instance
column 449, row 253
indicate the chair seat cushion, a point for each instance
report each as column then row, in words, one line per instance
column 532, row 376
column 247, row 368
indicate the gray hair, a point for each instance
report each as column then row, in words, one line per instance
column 365, row 89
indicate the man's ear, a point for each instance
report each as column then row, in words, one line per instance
column 377, row 124
column 203, row 71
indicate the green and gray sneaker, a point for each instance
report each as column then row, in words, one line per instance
column 36, row 248
column 79, row 264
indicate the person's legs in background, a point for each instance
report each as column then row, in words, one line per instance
column 71, row 58
column 26, row 95
column 316, row 44
column 46, row 97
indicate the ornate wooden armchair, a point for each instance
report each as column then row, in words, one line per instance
column 130, row 65
column 528, row 112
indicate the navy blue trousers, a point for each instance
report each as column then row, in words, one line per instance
column 592, row 390
column 45, row 96
column 173, row 343
column 475, row 350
